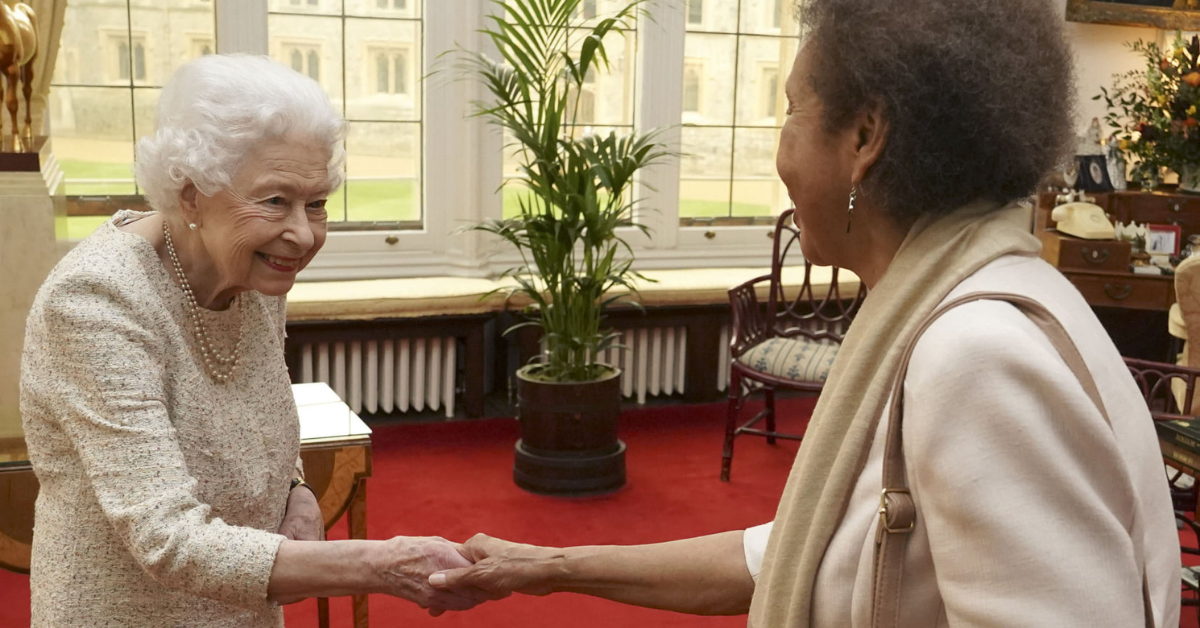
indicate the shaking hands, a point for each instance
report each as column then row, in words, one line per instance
column 493, row 569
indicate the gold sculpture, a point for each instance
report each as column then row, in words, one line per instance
column 18, row 51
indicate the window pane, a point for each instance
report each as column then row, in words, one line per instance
column 376, row 51
column 383, row 172
column 139, row 61
column 757, row 190
column 613, row 89
column 705, row 169
column 123, row 60
column 314, row 66
column 91, row 38
column 714, row 15
column 762, row 60
column 310, row 7
column 310, row 45
column 93, row 139
column 400, row 64
column 383, row 8
column 381, row 73
column 711, row 57
column 691, row 87
column 169, row 33
column 145, row 110
column 768, row 17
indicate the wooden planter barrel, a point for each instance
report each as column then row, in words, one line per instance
column 569, row 444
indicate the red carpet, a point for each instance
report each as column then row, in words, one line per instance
column 455, row 479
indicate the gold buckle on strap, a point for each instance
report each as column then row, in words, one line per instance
column 884, row 513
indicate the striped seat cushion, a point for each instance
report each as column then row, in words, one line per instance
column 796, row 359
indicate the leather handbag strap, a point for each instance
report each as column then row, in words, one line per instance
column 897, row 511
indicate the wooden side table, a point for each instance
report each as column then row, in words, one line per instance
column 335, row 446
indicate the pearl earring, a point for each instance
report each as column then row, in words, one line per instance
column 850, row 213
column 192, row 226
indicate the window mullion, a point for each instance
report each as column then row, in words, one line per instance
column 661, row 76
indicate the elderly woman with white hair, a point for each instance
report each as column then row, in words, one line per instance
column 156, row 402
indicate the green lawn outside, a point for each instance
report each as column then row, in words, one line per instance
column 73, row 170
column 370, row 200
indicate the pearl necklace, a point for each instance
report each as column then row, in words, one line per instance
column 220, row 368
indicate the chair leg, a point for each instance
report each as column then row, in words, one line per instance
column 770, row 401
column 735, row 404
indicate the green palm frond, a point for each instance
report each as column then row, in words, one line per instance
column 574, row 261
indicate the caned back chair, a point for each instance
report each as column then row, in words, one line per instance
column 791, row 343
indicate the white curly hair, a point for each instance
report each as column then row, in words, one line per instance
column 216, row 109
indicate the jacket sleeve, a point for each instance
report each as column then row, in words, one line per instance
column 1018, row 479
column 115, row 415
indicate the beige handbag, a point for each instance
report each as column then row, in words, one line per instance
column 897, row 512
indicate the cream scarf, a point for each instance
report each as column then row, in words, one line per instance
column 936, row 256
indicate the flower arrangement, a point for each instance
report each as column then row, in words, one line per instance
column 1154, row 113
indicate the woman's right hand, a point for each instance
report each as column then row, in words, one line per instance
column 500, row 568
column 406, row 563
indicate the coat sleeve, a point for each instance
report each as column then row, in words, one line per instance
column 108, row 360
column 1018, row 479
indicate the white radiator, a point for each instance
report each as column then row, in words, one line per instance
column 385, row 375
column 652, row 361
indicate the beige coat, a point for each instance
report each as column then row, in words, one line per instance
column 1031, row 511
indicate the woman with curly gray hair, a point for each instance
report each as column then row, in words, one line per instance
column 1026, row 487
column 156, row 404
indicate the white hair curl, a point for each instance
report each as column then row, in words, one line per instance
column 216, row 109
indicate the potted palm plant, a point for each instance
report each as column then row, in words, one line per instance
column 574, row 262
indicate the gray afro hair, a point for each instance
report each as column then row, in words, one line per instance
column 979, row 94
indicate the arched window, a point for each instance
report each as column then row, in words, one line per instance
column 400, row 73
column 770, row 92
column 139, row 61
column 297, row 61
column 381, row 74
column 206, row 50
column 314, row 65
column 691, row 89
column 587, row 107
column 123, row 60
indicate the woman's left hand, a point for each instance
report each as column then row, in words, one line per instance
column 303, row 520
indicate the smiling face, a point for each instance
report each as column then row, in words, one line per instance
column 271, row 222
column 817, row 168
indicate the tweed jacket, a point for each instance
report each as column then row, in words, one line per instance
column 161, row 491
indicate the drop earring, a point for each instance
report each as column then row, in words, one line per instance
column 850, row 213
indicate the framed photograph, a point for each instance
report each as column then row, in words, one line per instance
column 1163, row 239
column 1164, row 14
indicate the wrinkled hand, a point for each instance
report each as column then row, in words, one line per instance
column 407, row 564
column 303, row 521
column 501, row 568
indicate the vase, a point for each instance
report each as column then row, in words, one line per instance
column 1189, row 179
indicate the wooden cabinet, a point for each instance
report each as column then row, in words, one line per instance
column 1095, row 267
column 1157, row 208
column 1125, row 290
